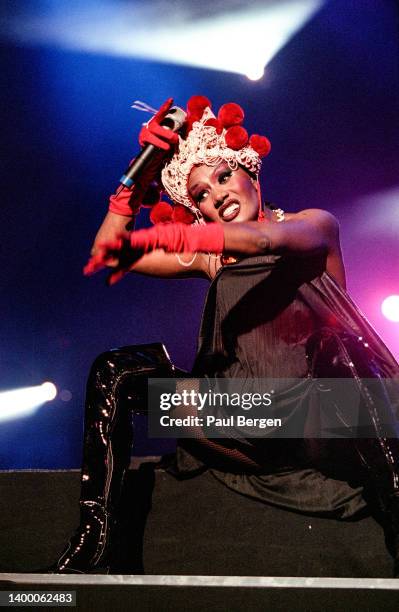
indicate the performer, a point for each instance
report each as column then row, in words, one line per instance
column 276, row 308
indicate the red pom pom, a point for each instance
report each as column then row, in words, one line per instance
column 230, row 114
column 161, row 213
column 181, row 214
column 196, row 106
column 260, row 144
column 236, row 137
column 216, row 124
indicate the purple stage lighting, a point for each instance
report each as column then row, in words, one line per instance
column 390, row 308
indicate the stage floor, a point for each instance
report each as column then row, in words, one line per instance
column 204, row 547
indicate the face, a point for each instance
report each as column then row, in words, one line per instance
column 222, row 194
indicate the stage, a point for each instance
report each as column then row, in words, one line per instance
column 200, row 545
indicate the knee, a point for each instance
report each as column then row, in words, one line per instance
column 104, row 363
column 138, row 359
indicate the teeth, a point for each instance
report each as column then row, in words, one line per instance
column 230, row 209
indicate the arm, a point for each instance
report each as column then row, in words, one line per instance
column 303, row 233
column 306, row 232
column 309, row 231
column 167, row 265
column 113, row 225
column 125, row 204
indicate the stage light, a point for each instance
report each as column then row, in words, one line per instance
column 49, row 391
column 18, row 403
column 241, row 41
column 390, row 308
column 255, row 73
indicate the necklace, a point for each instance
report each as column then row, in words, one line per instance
column 280, row 214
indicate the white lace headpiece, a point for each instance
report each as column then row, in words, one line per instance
column 203, row 145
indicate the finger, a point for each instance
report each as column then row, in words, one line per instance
column 92, row 267
column 164, row 132
column 163, row 110
column 98, row 262
column 115, row 277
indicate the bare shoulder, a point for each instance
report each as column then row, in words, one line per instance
column 321, row 220
column 316, row 216
column 327, row 224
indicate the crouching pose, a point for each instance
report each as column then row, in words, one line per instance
column 276, row 309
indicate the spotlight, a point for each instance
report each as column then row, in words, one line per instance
column 255, row 73
column 49, row 391
column 18, row 403
column 390, row 308
column 228, row 41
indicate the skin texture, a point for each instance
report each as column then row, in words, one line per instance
column 212, row 188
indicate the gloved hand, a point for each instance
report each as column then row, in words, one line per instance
column 124, row 202
column 172, row 237
column 116, row 253
column 127, row 201
column 154, row 133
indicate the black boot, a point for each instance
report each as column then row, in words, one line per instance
column 117, row 385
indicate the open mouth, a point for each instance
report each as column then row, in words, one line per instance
column 229, row 210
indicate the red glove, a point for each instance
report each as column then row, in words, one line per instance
column 124, row 202
column 154, row 133
column 127, row 201
column 179, row 238
column 172, row 237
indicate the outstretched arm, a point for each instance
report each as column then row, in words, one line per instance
column 157, row 263
column 304, row 233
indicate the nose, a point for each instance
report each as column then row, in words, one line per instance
column 219, row 197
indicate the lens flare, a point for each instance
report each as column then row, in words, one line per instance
column 390, row 308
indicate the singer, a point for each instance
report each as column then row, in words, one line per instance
column 276, row 308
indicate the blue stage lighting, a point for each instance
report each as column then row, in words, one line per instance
column 18, row 403
column 241, row 41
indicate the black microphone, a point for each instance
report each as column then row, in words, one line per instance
column 174, row 120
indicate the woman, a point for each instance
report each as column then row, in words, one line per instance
column 277, row 308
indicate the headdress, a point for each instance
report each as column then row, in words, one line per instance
column 208, row 140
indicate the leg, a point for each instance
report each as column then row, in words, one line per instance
column 117, row 385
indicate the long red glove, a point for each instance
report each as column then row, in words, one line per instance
column 172, row 237
column 124, row 202
column 180, row 238
column 127, row 201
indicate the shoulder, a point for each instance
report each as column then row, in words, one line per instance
column 318, row 218
column 317, row 215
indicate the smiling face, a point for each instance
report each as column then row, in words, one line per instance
column 222, row 194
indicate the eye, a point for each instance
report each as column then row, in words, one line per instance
column 200, row 196
column 224, row 176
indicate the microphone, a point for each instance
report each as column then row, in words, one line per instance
column 174, row 120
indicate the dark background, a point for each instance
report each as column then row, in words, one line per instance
column 329, row 104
